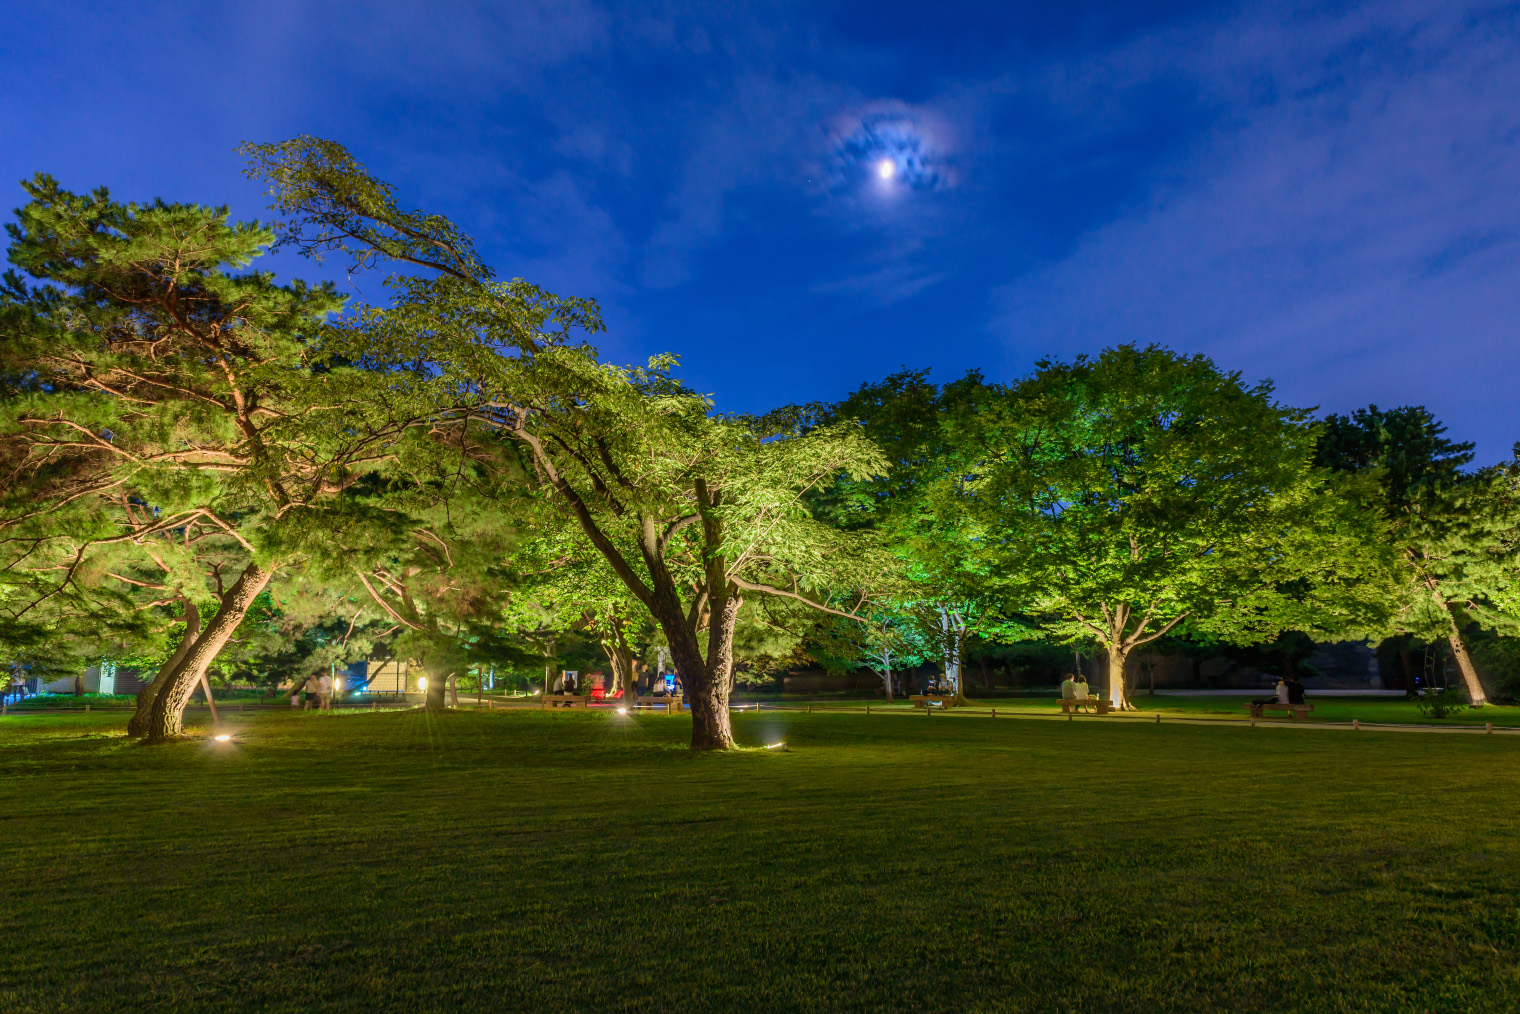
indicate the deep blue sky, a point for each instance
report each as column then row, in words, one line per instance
column 1325, row 195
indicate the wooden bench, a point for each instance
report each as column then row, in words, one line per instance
column 1295, row 711
column 932, row 701
column 1098, row 704
column 564, row 701
column 670, row 705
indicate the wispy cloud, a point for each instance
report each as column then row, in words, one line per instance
column 1352, row 228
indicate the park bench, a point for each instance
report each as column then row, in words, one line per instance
column 1098, row 704
column 670, row 705
column 564, row 701
column 932, row 701
column 1295, row 711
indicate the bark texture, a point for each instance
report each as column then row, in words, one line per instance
column 141, row 719
column 1118, row 687
column 1469, row 671
column 166, row 720
column 433, row 697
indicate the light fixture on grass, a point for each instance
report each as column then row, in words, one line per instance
column 223, row 738
column 778, row 746
column 422, row 684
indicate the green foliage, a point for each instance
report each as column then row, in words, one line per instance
column 1457, row 534
column 1121, row 496
column 169, row 419
column 1441, row 703
column 1499, row 658
column 303, row 628
column 1406, row 446
column 691, row 512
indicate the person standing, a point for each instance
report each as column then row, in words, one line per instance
column 324, row 692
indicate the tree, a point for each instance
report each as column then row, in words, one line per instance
column 1121, row 496
column 165, row 398
column 304, row 625
column 692, row 512
column 445, row 580
column 1456, row 533
column 886, row 643
column 931, row 437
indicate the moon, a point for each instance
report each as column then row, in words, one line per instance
column 886, row 168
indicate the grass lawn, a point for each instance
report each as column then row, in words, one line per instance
column 1327, row 708
column 582, row 861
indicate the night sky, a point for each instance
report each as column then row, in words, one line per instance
column 798, row 198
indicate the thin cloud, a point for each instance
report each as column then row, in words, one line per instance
column 1353, row 233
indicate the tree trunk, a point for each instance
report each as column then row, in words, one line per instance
column 889, row 683
column 1459, row 652
column 166, row 721
column 216, row 719
column 452, row 680
column 955, row 671
column 433, row 698
column 1118, row 691
column 1469, row 671
column 704, row 681
column 625, row 668
column 1407, row 664
column 138, row 724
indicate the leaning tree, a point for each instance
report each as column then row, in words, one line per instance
column 160, row 401
column 693, row 512
column 1456, row 532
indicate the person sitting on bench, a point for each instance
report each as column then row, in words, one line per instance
column 1084, row 692
column 1069, row 689
column 1295, row 690
column 1281, row 697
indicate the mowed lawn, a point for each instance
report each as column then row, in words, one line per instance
column 587, row 862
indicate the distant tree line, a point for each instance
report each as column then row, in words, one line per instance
column 207, row 471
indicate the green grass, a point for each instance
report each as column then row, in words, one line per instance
column 579, row 861
column 1327, row 708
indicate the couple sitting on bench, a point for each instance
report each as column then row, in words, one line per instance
column 1289, row 698
column 1076, row 690
column 1289, row 691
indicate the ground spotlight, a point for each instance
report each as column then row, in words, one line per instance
column 422, row 684
column 622, row 711
column 222, row 738
column 777, row 746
